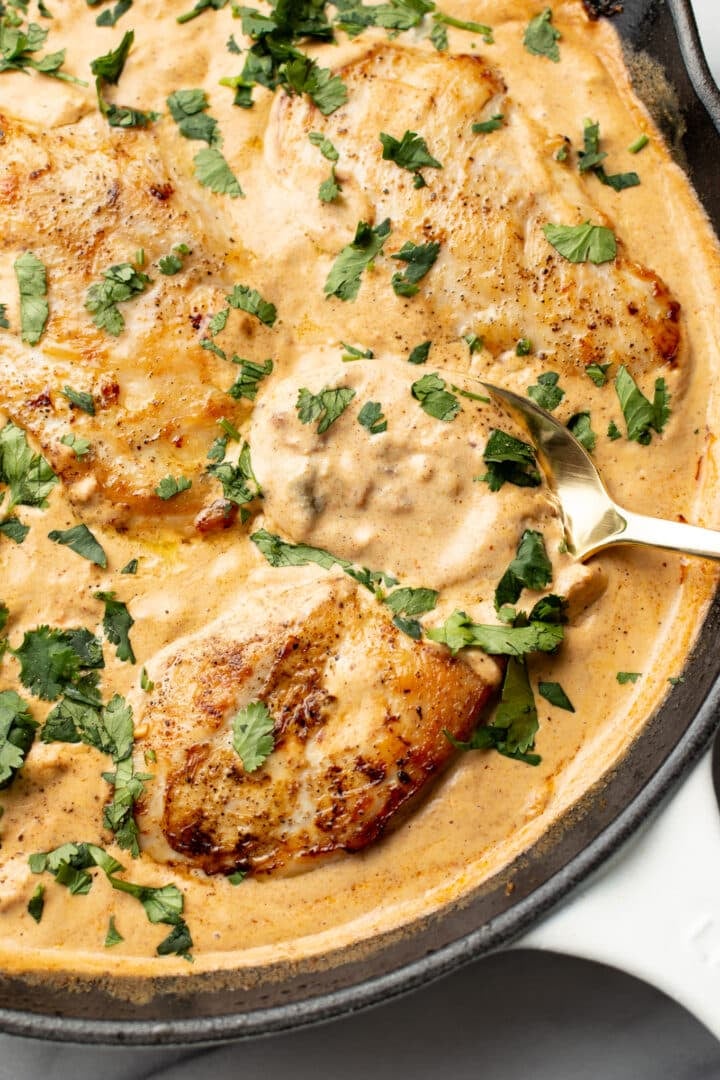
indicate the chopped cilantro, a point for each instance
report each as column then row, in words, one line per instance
column 250, row 300
column 117, row 622
column 122, row 116
column 304, row 76
column 598, row 373
column 113, row 935
column 32, row 285
column 474, row 342
column 330, row 188
column 344, row 277
column 510, row 461
column 237, row 877
column 352, row 352
column 80, row 540
column 130, row 568
column 171, row 486
column 17, row 732
column 409, row 153
column 14, row 529
column 3, row 317
column 440, row 19
column 642, row 416
column 639, row 144
column 614, row 431
column 484, row 127
column 53, row 660
column 434, row 398
column 146, row 683
column 406, row 604
column 36, row 903
column 280, row 552
column 371, row 417
column 200, row 6
column 109, row 67
column 253, row 739
column 80, row 399
column 121, row 283
column 515, row 724
column 324, row 145
column 523, row 347
column 579, row 425
column 161, row 905
column 419, row 258
column 458, row 632
column 251, row 375
column 590, row 159
column 28, row 475
column 187, row 108
column 582, row 243
column 173, row 263
column 531, row 568
column 541, row 37
column 80, row 447
column 112, row 15
column 554, row 693
column 419, row 354
column 624, row 677
column 18, row 45
column 213, row 172
column 547, row 394
column 238, row 481
column 325, row 407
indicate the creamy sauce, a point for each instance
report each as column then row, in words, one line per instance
column 635, row 610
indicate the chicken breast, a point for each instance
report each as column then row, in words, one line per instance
column 359, row 712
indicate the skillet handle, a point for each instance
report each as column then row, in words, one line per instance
column 654, row 909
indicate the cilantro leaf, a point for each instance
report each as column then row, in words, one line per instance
column 304, row 76
column 324, row 145
column 117, row 622
column 484, row 127
column 642, row 416
column 419, row 259
column 352, row 352
column 579, row 426
column 17, row 732
column 590, row 159
column 282, row 553
column 531, row 568
column 28, row 475
column 371, row 417
column 213, row 172
column 173, row 263
column 118, row 814
column 439, row 18
column 344, row 277
column 434, row 399
column 541, row 37
column 122, row 116
column 109, row 67
column 624, row 677
column 330, row 188
column 474, row 342
column 458, row 632
column 547, row 394
column 80, row 540
column 108, row 728
column 409, row 153
column 32, row 285
column 326, row 407
column 582, row 243
column 239, row 483
column 613, row 431
column 112, row 15
column 113, row 936
column 523, row 347
column 512, row 732
column 187, row 108
column 554, row 693
column 251, row 375
column 408, row 603
column 4, row 323
column 79, row 446
column 161, row 905
column 419, row 354
column 17, row 46
column 171, row 486
column 253, row 739
column 14, row 529
column 130, row 567
column 36, row 903
column 51, row 659
column 121, row 283
column 246, row 299
column 200, row 6
column 510, row 461
column 598, row 373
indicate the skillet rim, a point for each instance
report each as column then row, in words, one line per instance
column 512, row 922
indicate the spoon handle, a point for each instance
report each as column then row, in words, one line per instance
column 675, row 535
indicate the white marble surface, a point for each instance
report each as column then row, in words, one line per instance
column 517, row 1016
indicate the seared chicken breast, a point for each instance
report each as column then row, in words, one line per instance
column 359, row 713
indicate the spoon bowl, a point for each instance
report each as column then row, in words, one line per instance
column 592, row 520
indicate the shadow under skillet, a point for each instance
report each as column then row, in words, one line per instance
column 521, row 1015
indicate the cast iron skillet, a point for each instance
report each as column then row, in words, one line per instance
column 202, row 1009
